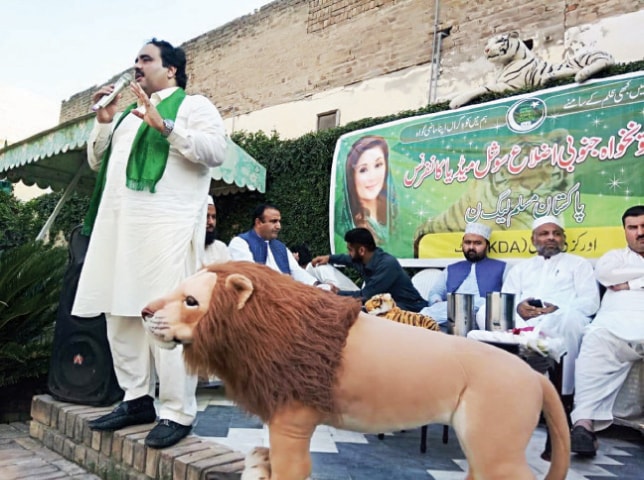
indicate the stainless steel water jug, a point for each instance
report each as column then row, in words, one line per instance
column 460, row 313
column 499, row 312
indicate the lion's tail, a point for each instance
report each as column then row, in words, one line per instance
column 557, row 423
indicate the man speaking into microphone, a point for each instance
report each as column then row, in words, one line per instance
column 146, row 229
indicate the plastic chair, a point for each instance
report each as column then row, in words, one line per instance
column 425, row 280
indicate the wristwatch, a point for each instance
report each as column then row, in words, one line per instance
column 168, row 125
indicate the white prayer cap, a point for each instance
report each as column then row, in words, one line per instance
column 211, row 201
column 479, row 229
column 547, row 219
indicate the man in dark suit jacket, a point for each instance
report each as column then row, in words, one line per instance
column 381, row 272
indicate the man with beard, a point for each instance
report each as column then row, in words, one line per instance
column 555, row 291
column 477, row 275
column 614, row 341
column 381, row 272
column 146, row 219
column 216, row 250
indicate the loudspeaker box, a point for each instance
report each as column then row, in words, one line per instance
column 81, row 369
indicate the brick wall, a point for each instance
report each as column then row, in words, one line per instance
column 62, row 427
column 292, row 49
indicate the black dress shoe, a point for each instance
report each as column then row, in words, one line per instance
column 166, row 433
column 583, row 442
column 547, row 451
column 133, row 412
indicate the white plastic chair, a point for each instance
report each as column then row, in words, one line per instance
column 425, row 280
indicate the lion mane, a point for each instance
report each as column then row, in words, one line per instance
column 267, row 353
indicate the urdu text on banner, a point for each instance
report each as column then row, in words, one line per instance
column 574, row 151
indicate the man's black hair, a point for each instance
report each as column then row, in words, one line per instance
column 258, row 213
column 634, row 211
column 360, row 236
column 173, row 57
column 304, row 254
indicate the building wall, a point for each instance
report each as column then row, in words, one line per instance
column 278, row 68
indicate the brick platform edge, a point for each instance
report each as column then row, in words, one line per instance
column 62, row 427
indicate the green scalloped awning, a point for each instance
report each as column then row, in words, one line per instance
column 51, row 159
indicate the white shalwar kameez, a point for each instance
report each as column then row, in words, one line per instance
column 144, row 244
column 566, row 281
column 613, row 341
column 216, row 252
column 437, row 297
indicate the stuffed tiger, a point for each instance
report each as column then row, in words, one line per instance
column 384, row 306
column 543, row 180
column 520, row 68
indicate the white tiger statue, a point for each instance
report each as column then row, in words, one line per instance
column 520, row 68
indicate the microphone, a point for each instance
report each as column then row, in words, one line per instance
column 123, row 81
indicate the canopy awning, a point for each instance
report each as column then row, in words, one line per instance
column 53, row 158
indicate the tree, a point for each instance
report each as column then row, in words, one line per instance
column 30, row 282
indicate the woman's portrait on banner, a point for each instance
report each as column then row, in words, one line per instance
column 369, row 192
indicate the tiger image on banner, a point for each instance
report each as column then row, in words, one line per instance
column 520, row 68
column 486, row 194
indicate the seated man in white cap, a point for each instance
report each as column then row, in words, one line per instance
column 556, row 291
column 216, row 251
column 477, row 275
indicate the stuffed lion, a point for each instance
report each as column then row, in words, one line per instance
column 298, row 357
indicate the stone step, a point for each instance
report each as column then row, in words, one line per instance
column 62, row 427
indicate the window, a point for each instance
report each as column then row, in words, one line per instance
column 328, row 120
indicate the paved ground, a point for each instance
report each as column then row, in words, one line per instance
column 337, row 454
column 341, row 455
column 22, row 457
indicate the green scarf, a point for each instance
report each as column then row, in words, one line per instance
column 147, row 160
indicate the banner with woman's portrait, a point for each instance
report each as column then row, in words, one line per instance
column 574, row 151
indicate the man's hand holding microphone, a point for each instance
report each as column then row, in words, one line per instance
column 106, row 100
